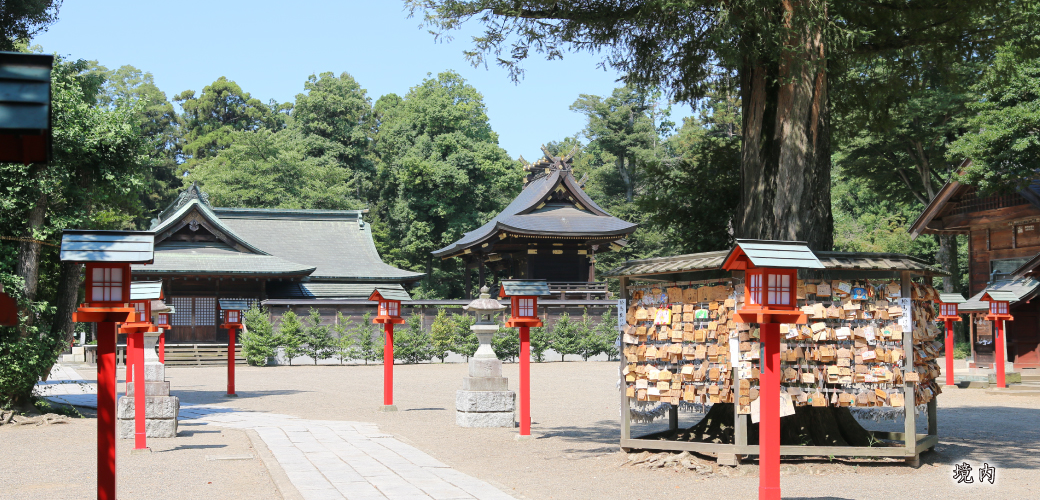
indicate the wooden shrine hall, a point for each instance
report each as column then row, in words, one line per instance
column 204, row 254
column 551, row 231
column 1003, row 231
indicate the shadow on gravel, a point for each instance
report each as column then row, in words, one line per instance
column 216, row 397
column 603, row 432
column 192, row 447
column 426, row 409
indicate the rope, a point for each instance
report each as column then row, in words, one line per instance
column 28, row 240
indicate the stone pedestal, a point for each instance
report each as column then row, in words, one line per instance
column 160, row 409
column 485, row 399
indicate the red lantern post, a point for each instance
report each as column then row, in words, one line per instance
column 141, row 295
column 523, row 296
column 770, row 284
column 948, row 313
column 389, row 315
column 233, row 310
column 999, row 312
column 108, row 255
column 162, row 321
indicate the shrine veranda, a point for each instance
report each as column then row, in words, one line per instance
column 870, row 319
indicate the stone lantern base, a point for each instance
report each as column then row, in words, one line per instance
column 485, row 408
column 160, row 408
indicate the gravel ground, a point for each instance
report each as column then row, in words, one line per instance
column 59, row 461
column 575, row 452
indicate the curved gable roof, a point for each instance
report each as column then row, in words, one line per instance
column 530, row 214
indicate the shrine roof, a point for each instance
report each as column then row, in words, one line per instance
column 1017, row 290
column 951, row 298
column 774, row 254
column 216, row 258
column 391, row 293
column 233, row 305
column 530, row 288
column 534, row 212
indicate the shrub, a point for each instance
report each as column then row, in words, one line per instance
column 541, row 341
column 259, row 341
column 506, row 343
column 346, row 347
column 318, row 340
column 412, row 344
column 466, row 343
column 290, row 334
column 566, row 336
column 443, row 334
column 369, row 343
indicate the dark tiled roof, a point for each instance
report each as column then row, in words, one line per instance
column 338, row 244
column 773, row 253
column 512, row 288
column 1022, row 288
column 391, row 293
column 319, row 290
column 525, row 216
column 217, row 258
column 234, row 305
column 832, row 261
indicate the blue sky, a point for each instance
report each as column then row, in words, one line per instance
column 269, row 48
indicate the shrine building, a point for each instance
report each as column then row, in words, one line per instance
column 1003, row 233
column 205, row 253
column 551, row 231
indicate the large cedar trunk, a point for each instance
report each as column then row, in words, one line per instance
column 948, row 261
column 67, row 295
column 785, row 157
column 28, row 266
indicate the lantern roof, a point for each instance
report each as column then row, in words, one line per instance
column 135, row 247
column 952, row 298
column 160, row 307
column 528, row 288
column 145, row 290
column 772, row 253
column 387, row 293
column 25, row 107
column 999, row 295
column 234, row 305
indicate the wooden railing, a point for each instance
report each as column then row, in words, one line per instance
column 588, row 290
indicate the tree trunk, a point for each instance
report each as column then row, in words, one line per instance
column 28, row 266
column 947, row 257
column 626, row 177
column 67, row 297
column 786, row 150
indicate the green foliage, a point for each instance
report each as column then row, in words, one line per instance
column 566, row 336
column 318, row 340
column 22, row 361
column 20, row 20
column 345, row 343
column 212, row 117
column 1004, row 143
column 369, row 344
column 441, row 174
column 259, row 343
column 412, row 344
column 467, row 342
column 506, row 343
column 291, row 336
column 263, row 169
column 541, row 341
column 443, row 334
column 605, row 335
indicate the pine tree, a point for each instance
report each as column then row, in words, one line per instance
column 258, row 340
column 345, row 344
column 541, row 341
column 467, row 340
column 364, row 338
column 443, row 334
column 566, row 336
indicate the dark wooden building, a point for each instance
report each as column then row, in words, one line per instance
column 1003, row 237
column 205, row 253
column 552, row 231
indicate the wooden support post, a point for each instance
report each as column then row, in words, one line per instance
column 106, row 414
column 231, row 362
column 140, row 436
column 388, row 367
column 769, row 421
column 525, row 381
column 626, row 416
column 740, row 422
column 949, row 352
column 128, row 363
column 933, row 420
column 673, row 418
column 909, row 403
column 998, row 352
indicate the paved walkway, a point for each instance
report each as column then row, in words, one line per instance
column 324, row 459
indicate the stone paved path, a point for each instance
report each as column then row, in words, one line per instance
column 324, row 459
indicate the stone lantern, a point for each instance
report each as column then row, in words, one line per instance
column 485, row 399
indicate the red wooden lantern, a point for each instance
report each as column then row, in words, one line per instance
column 523, row 297
column 770, row 298
column 948, row 306
column 162, row 320
column 948, row 313
column 389, row 315
column 108, row 284
column 999, row 312
column 389, row 305
column 233, row 310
